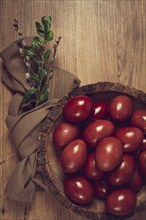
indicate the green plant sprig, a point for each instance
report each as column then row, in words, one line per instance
column 36, row 59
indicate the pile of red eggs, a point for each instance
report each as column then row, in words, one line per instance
column 102, row 151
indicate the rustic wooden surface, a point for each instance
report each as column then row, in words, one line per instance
column 103, row 40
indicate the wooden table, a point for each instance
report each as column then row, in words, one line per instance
column 102, row 40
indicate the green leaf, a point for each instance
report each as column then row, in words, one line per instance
column 49, row 36
column 46, row 20
column 42, row 73
column 39, row 26
column 40, row 33
column 47, row 28
column 49, row 19
column 35, row 78
column 43, row 19
column 37, row 42
column 47, row 54
column 28, row 53
column 37, row 62
column 29, row 94
column 43, row 95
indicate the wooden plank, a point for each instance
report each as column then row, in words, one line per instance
column 103, row 40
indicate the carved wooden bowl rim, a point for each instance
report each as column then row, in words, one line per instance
column 42, row 159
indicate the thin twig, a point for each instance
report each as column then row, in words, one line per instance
column 50, row 68
column 56, row 44
column 17, row 28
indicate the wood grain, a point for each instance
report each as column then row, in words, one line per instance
column 102, row 40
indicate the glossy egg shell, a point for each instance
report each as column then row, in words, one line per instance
column 77, row 109
column 143, row 146
column 120, row 108
column 142, row 162
column 99, row 111
column 90, row 168
column 79, row 190
column 136, row 181
column 73, row 156
column 138, row 119
column 102, row 188
column 123, row 172
column 121, row 202
column 97, row 130
column 64, row 133
column 130, row 137
column 108, row 153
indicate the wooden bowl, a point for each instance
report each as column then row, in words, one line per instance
column 48, row 160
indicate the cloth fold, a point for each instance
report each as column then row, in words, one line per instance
column 24, row 128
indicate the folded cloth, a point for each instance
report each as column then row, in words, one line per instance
column 24, row 127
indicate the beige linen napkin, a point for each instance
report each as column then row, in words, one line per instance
column 24, row 128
